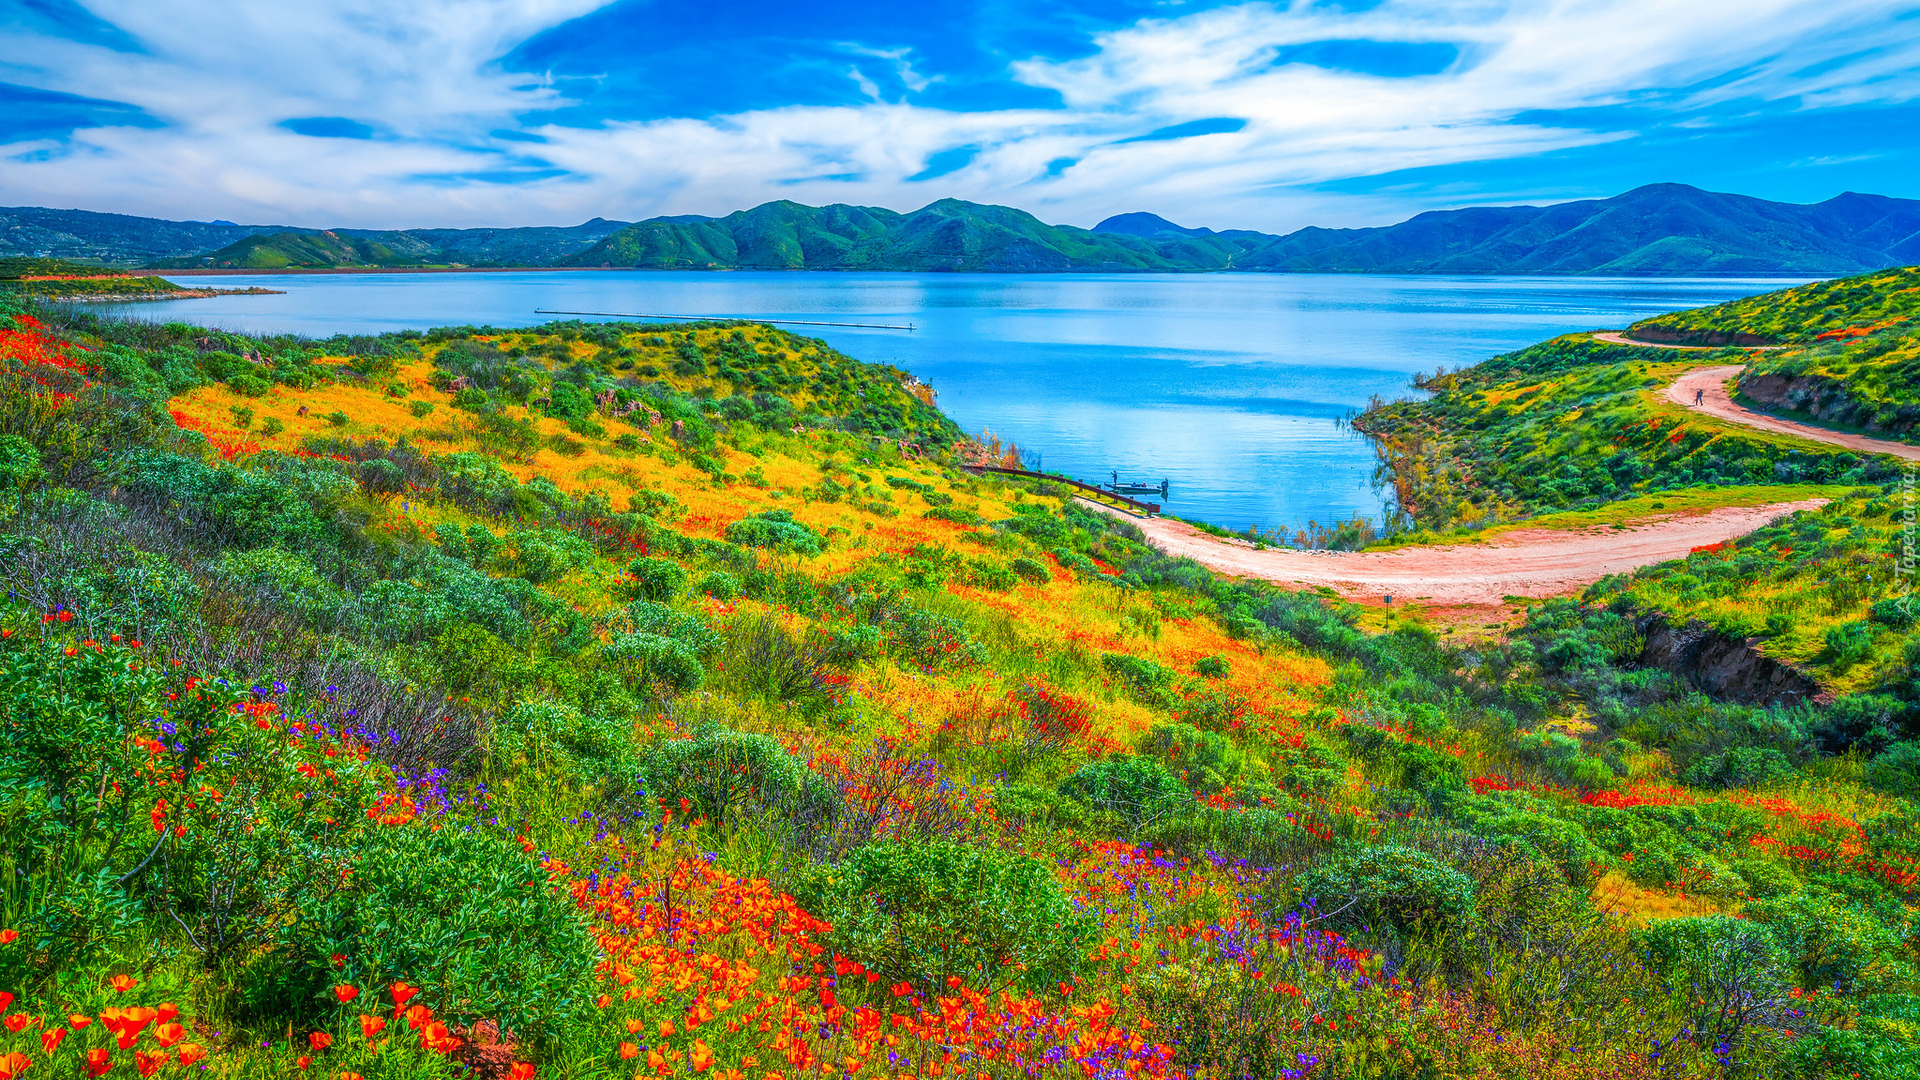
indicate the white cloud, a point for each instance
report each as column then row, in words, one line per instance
column 221, row 76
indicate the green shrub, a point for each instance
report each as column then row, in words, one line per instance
column 1390, row 887
column 920, row 913
column 990, row 575
column 657, row 579
column 1563, row 843
column 543, row 555
column 1143, row 678
column 720, row 585
column 1208, row 760
column 1849, row 644
column 655, row 660
column 1134, row 786
column 1033, row 570
column 19, row 463
column 1831, row 943
column 1211, row 667
column 724, row 774
column 775, row 529
column 1425, row 770
column 461, row 912
column 1896, row 771
column 337, row 418
column 547, row 732
column 1728, row 973
column 1741, row 767
column 1897, row 612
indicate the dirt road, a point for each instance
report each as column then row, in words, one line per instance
column 1718, row 402
column 1525, row 562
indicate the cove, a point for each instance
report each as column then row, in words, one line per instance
column 1230, row 386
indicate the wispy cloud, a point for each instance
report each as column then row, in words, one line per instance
column 363, row 112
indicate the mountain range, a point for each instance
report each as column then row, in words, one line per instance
column 1656, row 229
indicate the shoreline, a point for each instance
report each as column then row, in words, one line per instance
column 1780, row 275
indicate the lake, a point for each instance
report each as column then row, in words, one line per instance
column 1229, row 386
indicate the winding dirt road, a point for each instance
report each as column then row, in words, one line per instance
column 1718, row 402
column 1524, row 562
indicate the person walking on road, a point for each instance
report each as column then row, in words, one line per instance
column 1699, row 397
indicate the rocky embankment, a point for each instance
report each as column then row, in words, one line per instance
column 1824, row 399
column 1661, row 335
column 1727, row 667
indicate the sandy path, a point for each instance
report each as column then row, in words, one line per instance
column 1525, row 562
column 1720, row 403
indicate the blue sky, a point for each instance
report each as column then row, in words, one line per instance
column 1232, row 115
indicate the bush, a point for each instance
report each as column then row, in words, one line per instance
column 1897, row 770
column 1390, row 887
column 1897, row 612
column 464, row 914
column 724, row 774
column 1033, row 570
column 547, row 732
column 990, row 575
column 720, row 585
column 1211, row 667
column 1831, row 943
column 775, row 529
column 1747, row 766
column 1729, row 973
column 1143, row 678
column 654, row 659
column 1563, row 843
column 1849, row 644
column 921, row 913
column 656, row 579
column 1136, row 787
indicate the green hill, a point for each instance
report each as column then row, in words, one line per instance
column 286, row 250
column 946, row 235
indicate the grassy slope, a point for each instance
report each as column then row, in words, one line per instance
column 899, row 665
column 1581, row 424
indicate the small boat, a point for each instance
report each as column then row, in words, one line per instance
column 1137, row 487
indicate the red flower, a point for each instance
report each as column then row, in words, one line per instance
column 319, row 1040
column 346, row 993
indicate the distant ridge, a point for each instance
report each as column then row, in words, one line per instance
column 1656, row 229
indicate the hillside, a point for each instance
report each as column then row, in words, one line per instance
column 1658, row 229
column 373, row 248
column 60, row 280
column 580, row 699
column 1580, row 423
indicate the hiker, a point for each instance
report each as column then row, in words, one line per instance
column 1700, row 397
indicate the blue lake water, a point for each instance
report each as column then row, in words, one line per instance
column 1230, row 386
